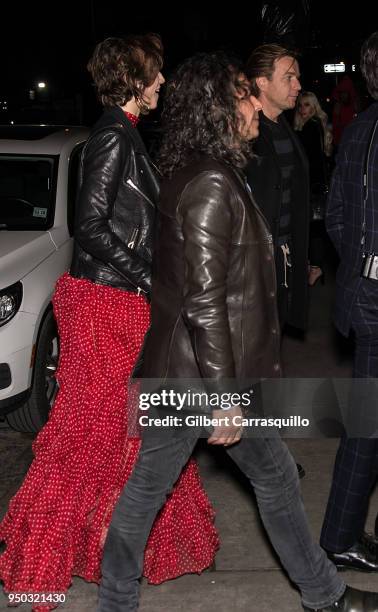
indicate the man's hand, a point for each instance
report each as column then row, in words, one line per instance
column 226, row 434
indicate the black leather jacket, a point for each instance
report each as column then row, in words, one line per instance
column 116, row 207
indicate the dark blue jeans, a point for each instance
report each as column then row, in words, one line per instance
column 273, row 474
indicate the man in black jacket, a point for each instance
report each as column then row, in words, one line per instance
column 278, row 176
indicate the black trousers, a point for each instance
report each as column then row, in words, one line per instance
column 356, row 465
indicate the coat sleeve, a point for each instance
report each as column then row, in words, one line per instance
column 206, row 216
column 105, row 159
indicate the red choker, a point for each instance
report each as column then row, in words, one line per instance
column 132, row 118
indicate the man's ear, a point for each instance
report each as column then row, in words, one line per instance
column 262, row 83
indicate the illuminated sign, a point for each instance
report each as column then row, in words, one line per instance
column 334, row 67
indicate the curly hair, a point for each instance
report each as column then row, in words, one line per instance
column 201, row 113
column 122, row 68
column 369, row 64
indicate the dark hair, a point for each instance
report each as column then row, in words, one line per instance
column 369, row 64
column 201, row 113
column 261, row 62
column 122, row 68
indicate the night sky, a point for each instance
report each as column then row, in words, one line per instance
column 53, row 41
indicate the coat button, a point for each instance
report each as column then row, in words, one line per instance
column 272, row 294
column 276, row 367
column 268, row 258
column 274, row 331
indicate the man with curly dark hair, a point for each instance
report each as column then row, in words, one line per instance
column 214, row 319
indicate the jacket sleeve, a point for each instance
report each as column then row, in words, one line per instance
column 104, row 163
column 335, row 205
column 205, row 214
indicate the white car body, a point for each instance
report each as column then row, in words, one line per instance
column 36, row 258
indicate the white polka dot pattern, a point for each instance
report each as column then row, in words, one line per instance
column 57, row 522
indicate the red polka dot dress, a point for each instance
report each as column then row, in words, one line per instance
column 56, row 524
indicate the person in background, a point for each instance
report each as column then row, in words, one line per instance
column 310, row 123
column 273, row 71
column 352, row 225
column 284, row 198
column 345, row 107
column 214, row 318
column 57, row 522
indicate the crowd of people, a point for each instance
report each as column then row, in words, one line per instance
column 190, row 268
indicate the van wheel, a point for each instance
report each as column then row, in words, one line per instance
column 31, row 416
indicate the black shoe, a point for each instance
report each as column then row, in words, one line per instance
column 362, row 556
column 353, row 600
column 371, row 541
column 301, row 470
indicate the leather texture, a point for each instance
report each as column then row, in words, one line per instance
column 116, row 207
column 353, row 600
column 214, row 289
column 362, row 556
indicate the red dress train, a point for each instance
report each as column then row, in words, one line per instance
column 56, row 524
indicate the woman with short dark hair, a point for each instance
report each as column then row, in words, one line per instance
column 57, row 522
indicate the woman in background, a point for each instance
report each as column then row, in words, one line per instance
column 57, row 522
column 310, row 122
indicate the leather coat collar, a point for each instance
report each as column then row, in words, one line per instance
column 115, row 114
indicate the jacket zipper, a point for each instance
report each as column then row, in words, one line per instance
column 139, row 289
column 155, row 167
column 134, row 235
column 131, row 184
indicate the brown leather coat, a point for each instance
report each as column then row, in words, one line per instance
column 213, row 288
